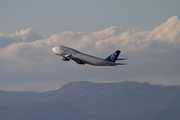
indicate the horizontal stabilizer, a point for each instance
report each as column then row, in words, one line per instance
column 122, row 58
column 120, row 63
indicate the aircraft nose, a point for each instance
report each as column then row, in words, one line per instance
column 54, row 49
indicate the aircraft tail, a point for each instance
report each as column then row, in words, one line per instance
column 113, row 57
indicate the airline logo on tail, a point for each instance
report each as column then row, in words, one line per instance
column 113, row 57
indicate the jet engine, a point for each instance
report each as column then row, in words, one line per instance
column 65, row 58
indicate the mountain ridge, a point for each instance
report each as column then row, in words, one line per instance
column 125, row 100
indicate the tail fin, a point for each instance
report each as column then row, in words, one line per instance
column 113, row 57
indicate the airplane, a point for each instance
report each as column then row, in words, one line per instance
column 67, row 54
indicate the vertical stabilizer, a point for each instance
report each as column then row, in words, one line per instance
column 113, row 57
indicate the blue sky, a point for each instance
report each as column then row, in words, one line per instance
column 147, row 32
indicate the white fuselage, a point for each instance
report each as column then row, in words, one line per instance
column 81, row 58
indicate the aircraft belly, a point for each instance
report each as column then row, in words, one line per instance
column 83, row 59
column 99, row 62
column 87, row 59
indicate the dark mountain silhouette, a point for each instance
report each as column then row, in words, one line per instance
column 125, row 100
column 44, row 111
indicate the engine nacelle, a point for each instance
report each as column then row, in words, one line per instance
column 65, row 58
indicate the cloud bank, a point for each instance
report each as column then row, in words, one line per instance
column 27, row 53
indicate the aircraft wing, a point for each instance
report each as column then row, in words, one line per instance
column 78, row 61
column 120, row 63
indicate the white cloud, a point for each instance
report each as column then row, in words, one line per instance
column 165, row 35
column 28, row 51
column 27, row 35
column 28, row 42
